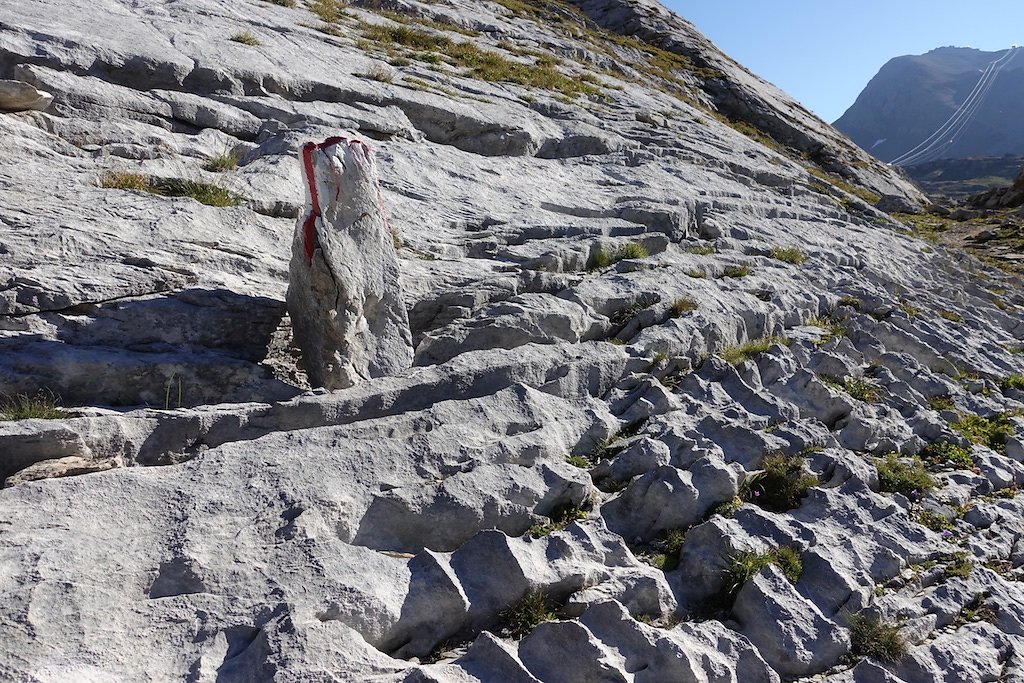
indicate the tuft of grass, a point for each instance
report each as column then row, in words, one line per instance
column 41, row 406
column 832, row 328
column 910, row 479
column 993, row 431
column 560, row 518
column 681, row 307
column 933, row 521
column 851, row 301
column 282, row 3
column 791, row 255
column 379, row 72
column 622, row 317
column 601, row 258
column 862, row 389
column 960, row 566
column 485, row 65
column 940, row 403
column 204, row 193
column 742, row 352
column 911, row 310
column 946, row 453
column 951, row 316
column 737, row 271
column 727, row 509
column 781, row 484
column 246, row 38
column 631, row 250
column 669, row 545
column 526, row 613
column 744, row 565
column 701, row 249
column 126, row 180
column 1012, row 382
column 329, row 11
column 221, row 163
column 578, row 461
column 695, row 273
column 871, row 637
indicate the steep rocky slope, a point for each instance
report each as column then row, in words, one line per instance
column 971, row 96
column 660, row 365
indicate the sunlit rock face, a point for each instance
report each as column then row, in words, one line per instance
column 344, row 293
column 653, row 417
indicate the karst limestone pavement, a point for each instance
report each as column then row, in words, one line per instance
column 661, row 352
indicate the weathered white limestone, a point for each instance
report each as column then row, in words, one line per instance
column 345, row 295
column 20, row 96
column 259, row 531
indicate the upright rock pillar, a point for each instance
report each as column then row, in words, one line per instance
column 344, row 292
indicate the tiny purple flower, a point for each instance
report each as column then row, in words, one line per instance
column 757, row 494
column 946, row 533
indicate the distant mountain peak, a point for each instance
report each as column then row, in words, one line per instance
column 950, row 102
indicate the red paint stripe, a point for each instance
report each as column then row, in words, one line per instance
column 309, row 241
column 309, row 238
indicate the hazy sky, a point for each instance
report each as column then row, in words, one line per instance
column 823, row 52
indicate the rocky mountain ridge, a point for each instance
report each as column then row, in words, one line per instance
column 950, row 103
column 672, row 373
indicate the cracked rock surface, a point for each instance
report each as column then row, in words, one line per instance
column 683, row 405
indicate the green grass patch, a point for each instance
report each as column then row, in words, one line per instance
column 940, row 403
column 898, row 476
column 788, row 255
column 559, row 518
column 740, row 353
column 933, row 521
column 737, row 271
column 851, row 301
column 911, row 310
column 204, row 193
column 873, row 638
column 992, row 432
column 832, row 328
column 621, row 317
column 221, row 163
column 960, row 566
column 1012, row 382
column 947, row 453
column 744, row 565
column 727, row 509
column 701, row 249
column 245, row 38
column 379, row 72
column 485, row 65
column 860, row 192
column 681, row 307
column 126, row 180
column 780, row 485
column 601, row 258
column 951, row 316
column 40, row 406
column 578, row 461
column 329, row 11
column 862, row 389
column 526, row 613
column 925, row 226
